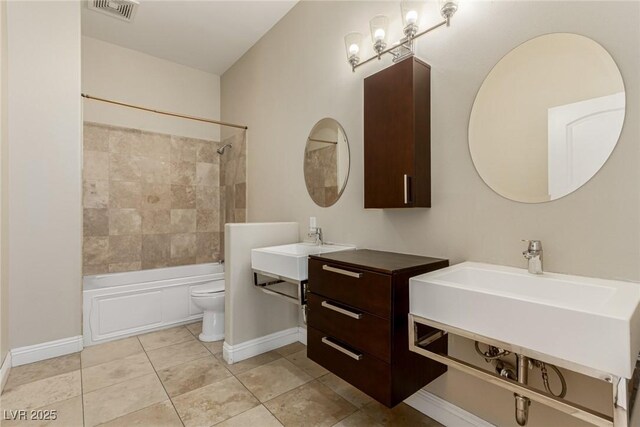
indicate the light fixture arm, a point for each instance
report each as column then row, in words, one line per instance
column 406, row 43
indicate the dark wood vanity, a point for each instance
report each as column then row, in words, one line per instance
column 358, row 306
column 397, row 136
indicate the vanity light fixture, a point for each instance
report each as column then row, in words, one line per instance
column 405, row 47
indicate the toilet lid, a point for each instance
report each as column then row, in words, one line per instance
column 212, row 287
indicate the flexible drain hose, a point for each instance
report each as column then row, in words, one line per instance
column 545, row 380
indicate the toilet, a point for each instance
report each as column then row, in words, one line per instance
column 210, row 298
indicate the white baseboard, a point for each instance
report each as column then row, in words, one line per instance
column 444, row 412
column 236, row 353
column 4, row 370
column 46, row 350
column 302, row 335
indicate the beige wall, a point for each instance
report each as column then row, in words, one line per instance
column 150, row 200
column 508, row 126
column 45, row 217
column 114, row 72
column 4, row 185
column 297, row 74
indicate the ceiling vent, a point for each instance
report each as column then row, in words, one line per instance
column 121, row 9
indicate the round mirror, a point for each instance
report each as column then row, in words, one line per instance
column 326, row 162
column 546, row 118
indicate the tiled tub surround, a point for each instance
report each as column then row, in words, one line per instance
column 169, row 378
column 233, row 178
column 150, row 200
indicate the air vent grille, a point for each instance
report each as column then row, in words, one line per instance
column 121, row 9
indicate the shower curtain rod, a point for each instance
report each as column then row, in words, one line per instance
column 166, row 113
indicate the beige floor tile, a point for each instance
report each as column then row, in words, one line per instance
column 312, row 404
column 214, row 403
column 273, row 379
column 165, row 337
column 400, row 416
column 253, row 362
column 41, row 370
column 258, row 417
column 195, row 328
column 214, row 347
column 159, row 415
column 43, row 392
column 101, row 353
column 117, row 371
column 123, row 398
column 176, row 354
column 346, row 390
column 301, row 360
column 358, row 419
column 290, row 349
column 189, row 376
column 68, row 413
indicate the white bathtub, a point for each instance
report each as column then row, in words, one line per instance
column 118, row 305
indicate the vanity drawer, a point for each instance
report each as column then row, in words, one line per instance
column 359, row 329
column 361, row 289
column 369, row 374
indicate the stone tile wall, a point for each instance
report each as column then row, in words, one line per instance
column 150, row 200
column 233, row 177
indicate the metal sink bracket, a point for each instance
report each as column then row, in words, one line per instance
column 299, row 298
column 621, row 394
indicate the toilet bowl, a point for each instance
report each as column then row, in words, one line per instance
column 210, row 298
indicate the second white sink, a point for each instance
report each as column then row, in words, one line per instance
column 290, row 261
column 591, row 322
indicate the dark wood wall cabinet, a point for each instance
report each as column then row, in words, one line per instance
column 397, row 136
column 357, row 321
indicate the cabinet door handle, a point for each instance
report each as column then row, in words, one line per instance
column 408, row 198
column 341, row 271
column 406, row 189
column 327, row 304
column 351, row 354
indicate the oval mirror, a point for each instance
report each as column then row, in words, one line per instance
column 326, row 162
column 547, row 117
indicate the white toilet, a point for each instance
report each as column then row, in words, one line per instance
column 210, row 298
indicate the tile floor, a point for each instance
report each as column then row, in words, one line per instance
column 169, row 378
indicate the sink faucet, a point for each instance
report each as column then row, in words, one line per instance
column 534, row 255
column 316, row 233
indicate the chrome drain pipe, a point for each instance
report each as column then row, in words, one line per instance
column 522, row 402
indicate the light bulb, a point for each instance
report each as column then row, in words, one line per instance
column 379, row 25
column 379, row 34
column 411, row 17
column 354, row 49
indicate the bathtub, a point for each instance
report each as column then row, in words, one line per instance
column 118, row 305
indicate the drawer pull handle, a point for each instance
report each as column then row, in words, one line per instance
column 327, row 304
column 341, row 271
column 341, row 349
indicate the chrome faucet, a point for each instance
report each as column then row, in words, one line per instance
column 534, row 255
column 316, row 233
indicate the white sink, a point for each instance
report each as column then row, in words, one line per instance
column 591, row 322
column 290, row 261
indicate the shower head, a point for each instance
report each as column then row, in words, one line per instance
column 221, row 149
